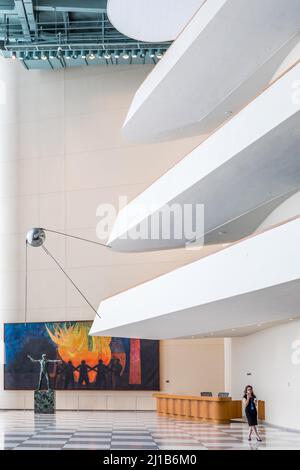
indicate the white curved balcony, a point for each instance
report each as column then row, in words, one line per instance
column 155, row 21
column 240, row 174
column 226, row 54
column 255, row 281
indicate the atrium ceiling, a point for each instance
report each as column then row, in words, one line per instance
column 55, row 34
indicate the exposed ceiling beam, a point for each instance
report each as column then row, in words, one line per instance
column 46, row 24
column 6, row 9
column 6, row 6
column 88, row 6
column 20, row 9
column 66, row 20
column 30, row 14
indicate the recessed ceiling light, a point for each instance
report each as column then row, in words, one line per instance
column 125, row 55
column 59, row 52
column 68, row 55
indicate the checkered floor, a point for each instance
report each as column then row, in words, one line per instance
column 130, row 430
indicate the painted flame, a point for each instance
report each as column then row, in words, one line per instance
column 74, row 344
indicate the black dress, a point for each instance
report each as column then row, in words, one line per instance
column 251, row 412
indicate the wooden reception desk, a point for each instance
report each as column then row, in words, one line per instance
column 214, row 409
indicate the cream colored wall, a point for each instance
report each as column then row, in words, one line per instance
column 192, row 366
column 61, row 155
column 272, row 357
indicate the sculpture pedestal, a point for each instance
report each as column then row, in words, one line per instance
column 44, row 401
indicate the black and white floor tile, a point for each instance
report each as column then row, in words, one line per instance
column 96, row 430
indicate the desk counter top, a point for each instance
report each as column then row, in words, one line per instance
column 213, row 409
column 191, row 397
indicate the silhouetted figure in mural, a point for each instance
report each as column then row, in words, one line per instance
column 102, row 371
column 109, row 374
column 116, row 368
column 83, row 369
column 43, row 369
column 68, row 372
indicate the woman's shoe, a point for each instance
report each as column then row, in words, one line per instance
column 258, row 439
column 249, row 438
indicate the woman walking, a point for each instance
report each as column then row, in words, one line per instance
column 250, row 402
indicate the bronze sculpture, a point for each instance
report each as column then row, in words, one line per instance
column 43, row 369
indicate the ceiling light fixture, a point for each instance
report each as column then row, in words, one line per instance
column 28, row 55
column 92, row 55
column 36, row 55
column 107, row 55
column 13, row 55
column 68, row 55
column 159, row 54
column 152, row 53
column 134, row 53
column 84, row 54
column 44, row 55
column 126, row 55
